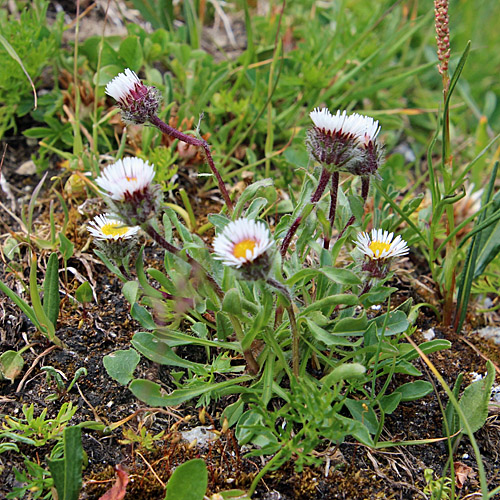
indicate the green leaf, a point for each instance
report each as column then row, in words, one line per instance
column 66, row 248
column 51, row 298
column 130, row 291
column 325, row 336
column 131, row 52
column 232, row 302
column 120, row 365
column 84, row 293
column 344, row 299
column 188, row 482
column 143, row 280
column 233, row 412
column 351, row 326
column 390, row 402
column 342, row 276
column 234, row 495
column 427, row 348
column 159, row 351
column 450, row 413
column 489, row 250
column 362, row 412
column 475, row 399
column 151, row 393
column 48, row 326
column 223, row 326
column 343, row 372
column 106, row 74
column 414, row 390
column 30, row 313
column 67, row 471
column 143, row 316
column 249, row 194
column 11, row 365
column 397, row 323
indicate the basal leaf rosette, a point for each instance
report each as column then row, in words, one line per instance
column 246, row 245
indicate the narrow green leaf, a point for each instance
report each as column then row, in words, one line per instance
column 414, row 390
column 51, row 298
column 342, row 276
column 47, row 325
column 67, row 471
column 30, row 313
column 343, row 299
column 151, row 393
column 475, row 399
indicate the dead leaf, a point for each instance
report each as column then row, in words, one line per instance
column 119, row 489
column 462, row 473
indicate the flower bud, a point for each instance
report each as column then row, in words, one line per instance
column 137, row 101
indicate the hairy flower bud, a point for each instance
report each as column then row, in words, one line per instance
column 137, row 101
column 335, row 140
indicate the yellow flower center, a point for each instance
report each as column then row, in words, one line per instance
column 240, row 249
column 131, row 179
column 114, row 229
column 377, row 247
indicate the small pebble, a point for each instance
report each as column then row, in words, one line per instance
column 429, row 334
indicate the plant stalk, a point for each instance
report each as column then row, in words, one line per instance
column 323, row 181
column 193, row 141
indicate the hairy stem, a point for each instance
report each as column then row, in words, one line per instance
column 293, row 324
column 197, row 267
column 365, row 188
column 323, row 181
column 193, row 141
column 252, row 365
column 334, row 190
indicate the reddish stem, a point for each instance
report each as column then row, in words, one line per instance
column 334, row 190
column 193, row 141
column 194, row 263
column 323, row 181
column 365, row 188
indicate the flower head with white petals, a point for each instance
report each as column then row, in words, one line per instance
column 361, row 128
column 137, row 101
column 381, row 245
column 126, row 179
column 112, row 237
column 107, row 227
column 131, row 194
column 244, row 243
column 336, row 140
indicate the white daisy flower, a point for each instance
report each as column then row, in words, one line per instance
column 121, row 87
column 241, row 242
column 363, row 128
column 126, row 179
column 106, row 227
column 381, row 245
